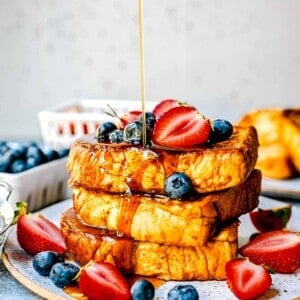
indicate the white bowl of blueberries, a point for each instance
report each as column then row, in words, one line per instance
column 36, row 173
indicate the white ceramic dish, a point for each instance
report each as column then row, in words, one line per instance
column 39, row 186
column 64, row 123
column 20, row 264
column 289, row 188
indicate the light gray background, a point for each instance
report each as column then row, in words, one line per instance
column 224, row 56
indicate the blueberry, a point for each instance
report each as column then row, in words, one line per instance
column 133, row 133
column 63, row 274
column 178, row 185
column 142, row 289
column 104, row 130
column 63, row 152
column 183, row 292
column 6, row 160
column 37, row 154
column 116, row 136
column 18, row 149
column 45, row 260
column 150, row 119
column 50, row 154
column 3, row 147
column 221, row 130
column 18, row 165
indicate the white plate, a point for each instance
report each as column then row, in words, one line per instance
column 20, row 264
column 288, row 188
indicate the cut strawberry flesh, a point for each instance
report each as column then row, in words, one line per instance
column 36, row 233
column 247, row 280
column 181, row 127
column 272, row 242
column 277, row 250
column 100, row 280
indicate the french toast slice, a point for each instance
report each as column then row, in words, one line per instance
column 119, row 168
column 279, row 140
column 162, row 220
column 165, row 262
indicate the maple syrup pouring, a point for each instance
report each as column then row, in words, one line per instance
column 142, row 69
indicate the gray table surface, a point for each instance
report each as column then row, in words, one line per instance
column 11, row 289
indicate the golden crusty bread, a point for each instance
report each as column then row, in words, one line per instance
column 279, row 140
column 119, row 168
column 162, row 220
column 165, row 262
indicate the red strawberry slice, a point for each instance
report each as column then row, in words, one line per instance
column 247, row 280
column 36, row 233
column 165, row 105
column 278, row 250
column 101, row 280
column 181, row 127
column 271, row 219
column 129, row 117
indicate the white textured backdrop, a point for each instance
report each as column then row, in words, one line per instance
column 225, row 56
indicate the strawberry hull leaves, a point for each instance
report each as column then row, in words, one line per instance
column 271, row 219
column 247, row 280
column 277, row 250
column 181, row 127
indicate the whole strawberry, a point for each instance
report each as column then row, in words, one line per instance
column 278, row 250
column 271, row 219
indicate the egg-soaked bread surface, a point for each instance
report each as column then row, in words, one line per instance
column 279, row 140
column 158, row 219
column 120, row 168
column 161, row 261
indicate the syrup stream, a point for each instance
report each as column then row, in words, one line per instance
column 142, row 68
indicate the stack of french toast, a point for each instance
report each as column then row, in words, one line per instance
column 122, row 215
column 278, row 132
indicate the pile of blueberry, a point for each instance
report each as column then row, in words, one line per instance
column 16, row 157
column 53, row 264
column 62, row 274
column 108, row 132
column 132, row 133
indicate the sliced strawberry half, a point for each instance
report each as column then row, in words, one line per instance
column 101, row 280
column 36, row 233
column 181, row 127
column 266, row 220
column 129, row 117
column 165, row 105
column 278, row 250
column 247, row 280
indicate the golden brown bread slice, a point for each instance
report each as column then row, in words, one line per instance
column 279, row 140
column 120, row 168
column 162, row 220
column 150, row 259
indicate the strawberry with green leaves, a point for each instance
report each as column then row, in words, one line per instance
column 277, row 250
column 247, row 280
column 271, row 219
column 35, row 233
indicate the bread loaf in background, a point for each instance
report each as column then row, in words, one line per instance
column 278, row 132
